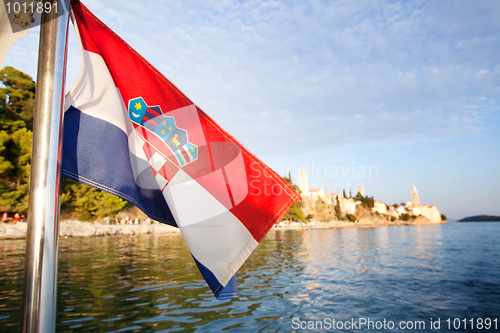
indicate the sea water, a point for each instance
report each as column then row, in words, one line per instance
column 419, row 278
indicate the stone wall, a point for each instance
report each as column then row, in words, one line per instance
column 316, row 194
column 430, row 212
column 82, row 229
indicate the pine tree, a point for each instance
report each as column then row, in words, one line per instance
column 17, row 99
column 17, row 102
column 294, row 213
column 89, row 202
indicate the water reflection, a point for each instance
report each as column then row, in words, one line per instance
column 11, row 284
column 150, row 283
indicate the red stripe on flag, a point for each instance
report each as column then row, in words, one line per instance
column 147, row 150
column 185, row 154
column 163, row 172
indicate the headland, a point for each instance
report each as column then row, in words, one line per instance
column 481, row 218
column 341, row 210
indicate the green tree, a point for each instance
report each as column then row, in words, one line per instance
column 5, row 164
column 366, row 202
column 89, row 202
column 345, row 196
column 16, row 111
column 351, row 217
column 320, row 205
column 294, row 213
column 15, row 155
column 290, row 182
column 17, row 99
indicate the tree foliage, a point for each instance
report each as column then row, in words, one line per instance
column 17, row 99
column 89, row 202
column 366, row 202
column 351, row 217
column 337, row 205
column 405, row 217
column 320, row 205
column 294, row 213
column 17, row 102
column 16, row 111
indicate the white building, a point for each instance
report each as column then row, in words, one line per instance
column 413, row 207
column 347, row 205
column 379, row 207
column 431, row 212
column 316, row 194
column 308, row 194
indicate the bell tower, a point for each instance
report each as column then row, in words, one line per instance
column 414, row 196
column 303, row 185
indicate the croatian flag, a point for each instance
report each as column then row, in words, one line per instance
column 129, row 131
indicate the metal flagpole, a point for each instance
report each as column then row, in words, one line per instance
column 40, row 276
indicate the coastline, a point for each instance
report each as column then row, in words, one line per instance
column 361, row 224
column 88, row 229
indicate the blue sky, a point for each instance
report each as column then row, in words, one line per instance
column 410, row 88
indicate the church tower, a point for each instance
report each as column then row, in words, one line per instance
column 414, row 196
column 303, row 185
column 361, row 190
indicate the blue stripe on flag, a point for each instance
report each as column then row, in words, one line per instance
column 150, row 126
column 230, row 290
column 221, row 292
column 96, row 153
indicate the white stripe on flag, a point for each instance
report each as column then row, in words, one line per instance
column 206, row 224
column 189, row 201
column 95, row 93
column 157, row 161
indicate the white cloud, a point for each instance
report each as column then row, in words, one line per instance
column 291, row 76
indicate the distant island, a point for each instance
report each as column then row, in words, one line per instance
column 481, row 218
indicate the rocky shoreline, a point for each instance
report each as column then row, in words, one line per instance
column 363, row 223
column 86, row 229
